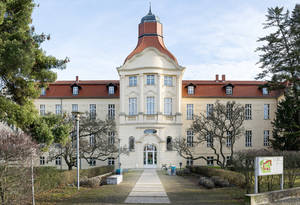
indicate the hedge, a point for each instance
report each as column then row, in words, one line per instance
column 232, row 177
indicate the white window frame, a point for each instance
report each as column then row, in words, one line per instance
column 110, row 161
column 248, row 138
column 266, row 111
column 228, row 139
column 92, row 162
column 132, row 106
column 168, row 106
column 209, row 109
column 248, row 111
column 58, row 110
column 190, row 111
column 74, row 107
column 168, row 80
column 191, row 90
column 132, row 81
column 42, row 160
column 150, row 105
column 150, row 79
column 266, row 138
column 210, row 161
column 75, row 90
column 111, row 138
column 189, row 161
column 111, row 90
column 209, row 141
column 229, row 90
column 265, row 91
column 189, row 138
column 93, row 111
column 229, row 110
column 58, row 161
column 111, row 111
column 92, row 140
column 43, row 91
column 42, row 109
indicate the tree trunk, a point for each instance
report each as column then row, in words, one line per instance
column 70, row 167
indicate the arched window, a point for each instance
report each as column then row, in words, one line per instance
column 131, row 143
column 169, row 143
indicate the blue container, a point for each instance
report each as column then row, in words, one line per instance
column 119, row 171
column 173, row 170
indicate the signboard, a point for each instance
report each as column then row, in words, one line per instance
column 268, row 165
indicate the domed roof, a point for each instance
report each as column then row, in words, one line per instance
column 150, row 17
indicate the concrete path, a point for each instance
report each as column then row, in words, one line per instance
column 148, row 189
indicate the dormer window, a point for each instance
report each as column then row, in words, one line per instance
column 43, row 91
column 75, row 90
column 111, row 90
column 229, row 90
column 191, row 90
column 265, row 91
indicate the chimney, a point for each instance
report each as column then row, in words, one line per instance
column 77, row 79
column 217, row 78
column 223, row 77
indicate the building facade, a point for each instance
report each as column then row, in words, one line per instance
column 152, row 105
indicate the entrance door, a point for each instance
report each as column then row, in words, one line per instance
column 150, row 156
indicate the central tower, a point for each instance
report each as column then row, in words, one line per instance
column 150, row 99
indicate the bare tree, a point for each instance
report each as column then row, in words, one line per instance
column 16, row 152
column 219, row 127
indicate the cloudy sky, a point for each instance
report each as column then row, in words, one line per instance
column 208, row 37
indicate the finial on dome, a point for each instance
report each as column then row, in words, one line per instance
column 150, row 13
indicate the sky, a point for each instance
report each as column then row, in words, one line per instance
column 208, row 37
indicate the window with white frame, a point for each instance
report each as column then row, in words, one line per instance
column 191, row 90
column 228, row 139
column 111, row 138
column 189, row 111
column 43, row 91
column 150, row 105
column 132, row 106
column 150, row 79
column 132, row 81
column 111, row 111
column 74, row 107
column 168, row 80
column 189, row 161
column 131, row 143
column 58, row 109
column 266, row 111
column 228, row 160
column 228, row 90
column 58, row 160
column 248, row 112
column 111, row 90
column 92, row 111
column 248, row 138
column 42, row 110
column 42, row 160
column 75, row 90
column 210, row 161
column 265, row 91
column 92, row 140
column 266, row 137
column 229, row 107
column 209, row 110
column 92, row 162
column 169, row 143
column 209, row 140
column 190, row 138
column 110, row 161
column 168, row 106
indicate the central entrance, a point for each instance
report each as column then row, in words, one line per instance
column 150, row 156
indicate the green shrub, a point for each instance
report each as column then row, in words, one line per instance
column 232, row 177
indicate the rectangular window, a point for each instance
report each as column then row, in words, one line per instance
column 132, row 81
column 111, row 90
column 168, row 81
column 190, row 111
column 58, row 160
column 266, row 137
column 266, row 111
column 111, row 111
column 58, row 109
column 209, row 141
column 228, row 160
column 92, row 111
column 150, row 105
column 228, row 90
column 74, row 107
column 111, row 138
column 248, row 138
column 110, row 161
column 168, row 106
column 265, row 91
column 210, row 161
column 92, row 140
column 248, row 112
column 189, row 161
column 42, row 160
column 92, row 162
column 191, row 90
column 228, row 139
column 209, row 110
column 150, row 79
column 43, row 91
column 229, row 111
column 75, row 90
column 42, row 110
column 132, row 106
column 190, row 138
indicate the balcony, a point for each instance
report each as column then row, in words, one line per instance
column 152, row 118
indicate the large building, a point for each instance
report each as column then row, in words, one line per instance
column 152, row 105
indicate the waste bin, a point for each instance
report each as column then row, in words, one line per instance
column 119, row 171
column 173, row 170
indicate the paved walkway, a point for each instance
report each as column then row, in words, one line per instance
column 148, row 189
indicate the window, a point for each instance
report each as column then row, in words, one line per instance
column 190, row 138
column 43, row 91
column 210, row 161
column 169, row 144
column 209, row 110
column 111, row 111
column 248, row 112
column 150, row 79
column 168, row 81
column 266, row 111
column 150, row 105
column 111, row 138
column 189, row 161
column 110, row 161
column 228, row 139
column 132, row 106
column 58, row 160
column 92, row 111
column 75, row 90
column 228, row 90
column 248, row 138
column 74, row 107
column 111, row 90
column 42, row 160
column 228, row 160
column 58, row 109
column 131, row 143
column 168, row 106
column 150, row 131
column 229, row 111
column 132, row 81
column 191, row 90
column 209, row 141
column 92, row 162
column 92, row 140
column 42, row 110
column 265, row 91
column 266, row 137
column 190, row 111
